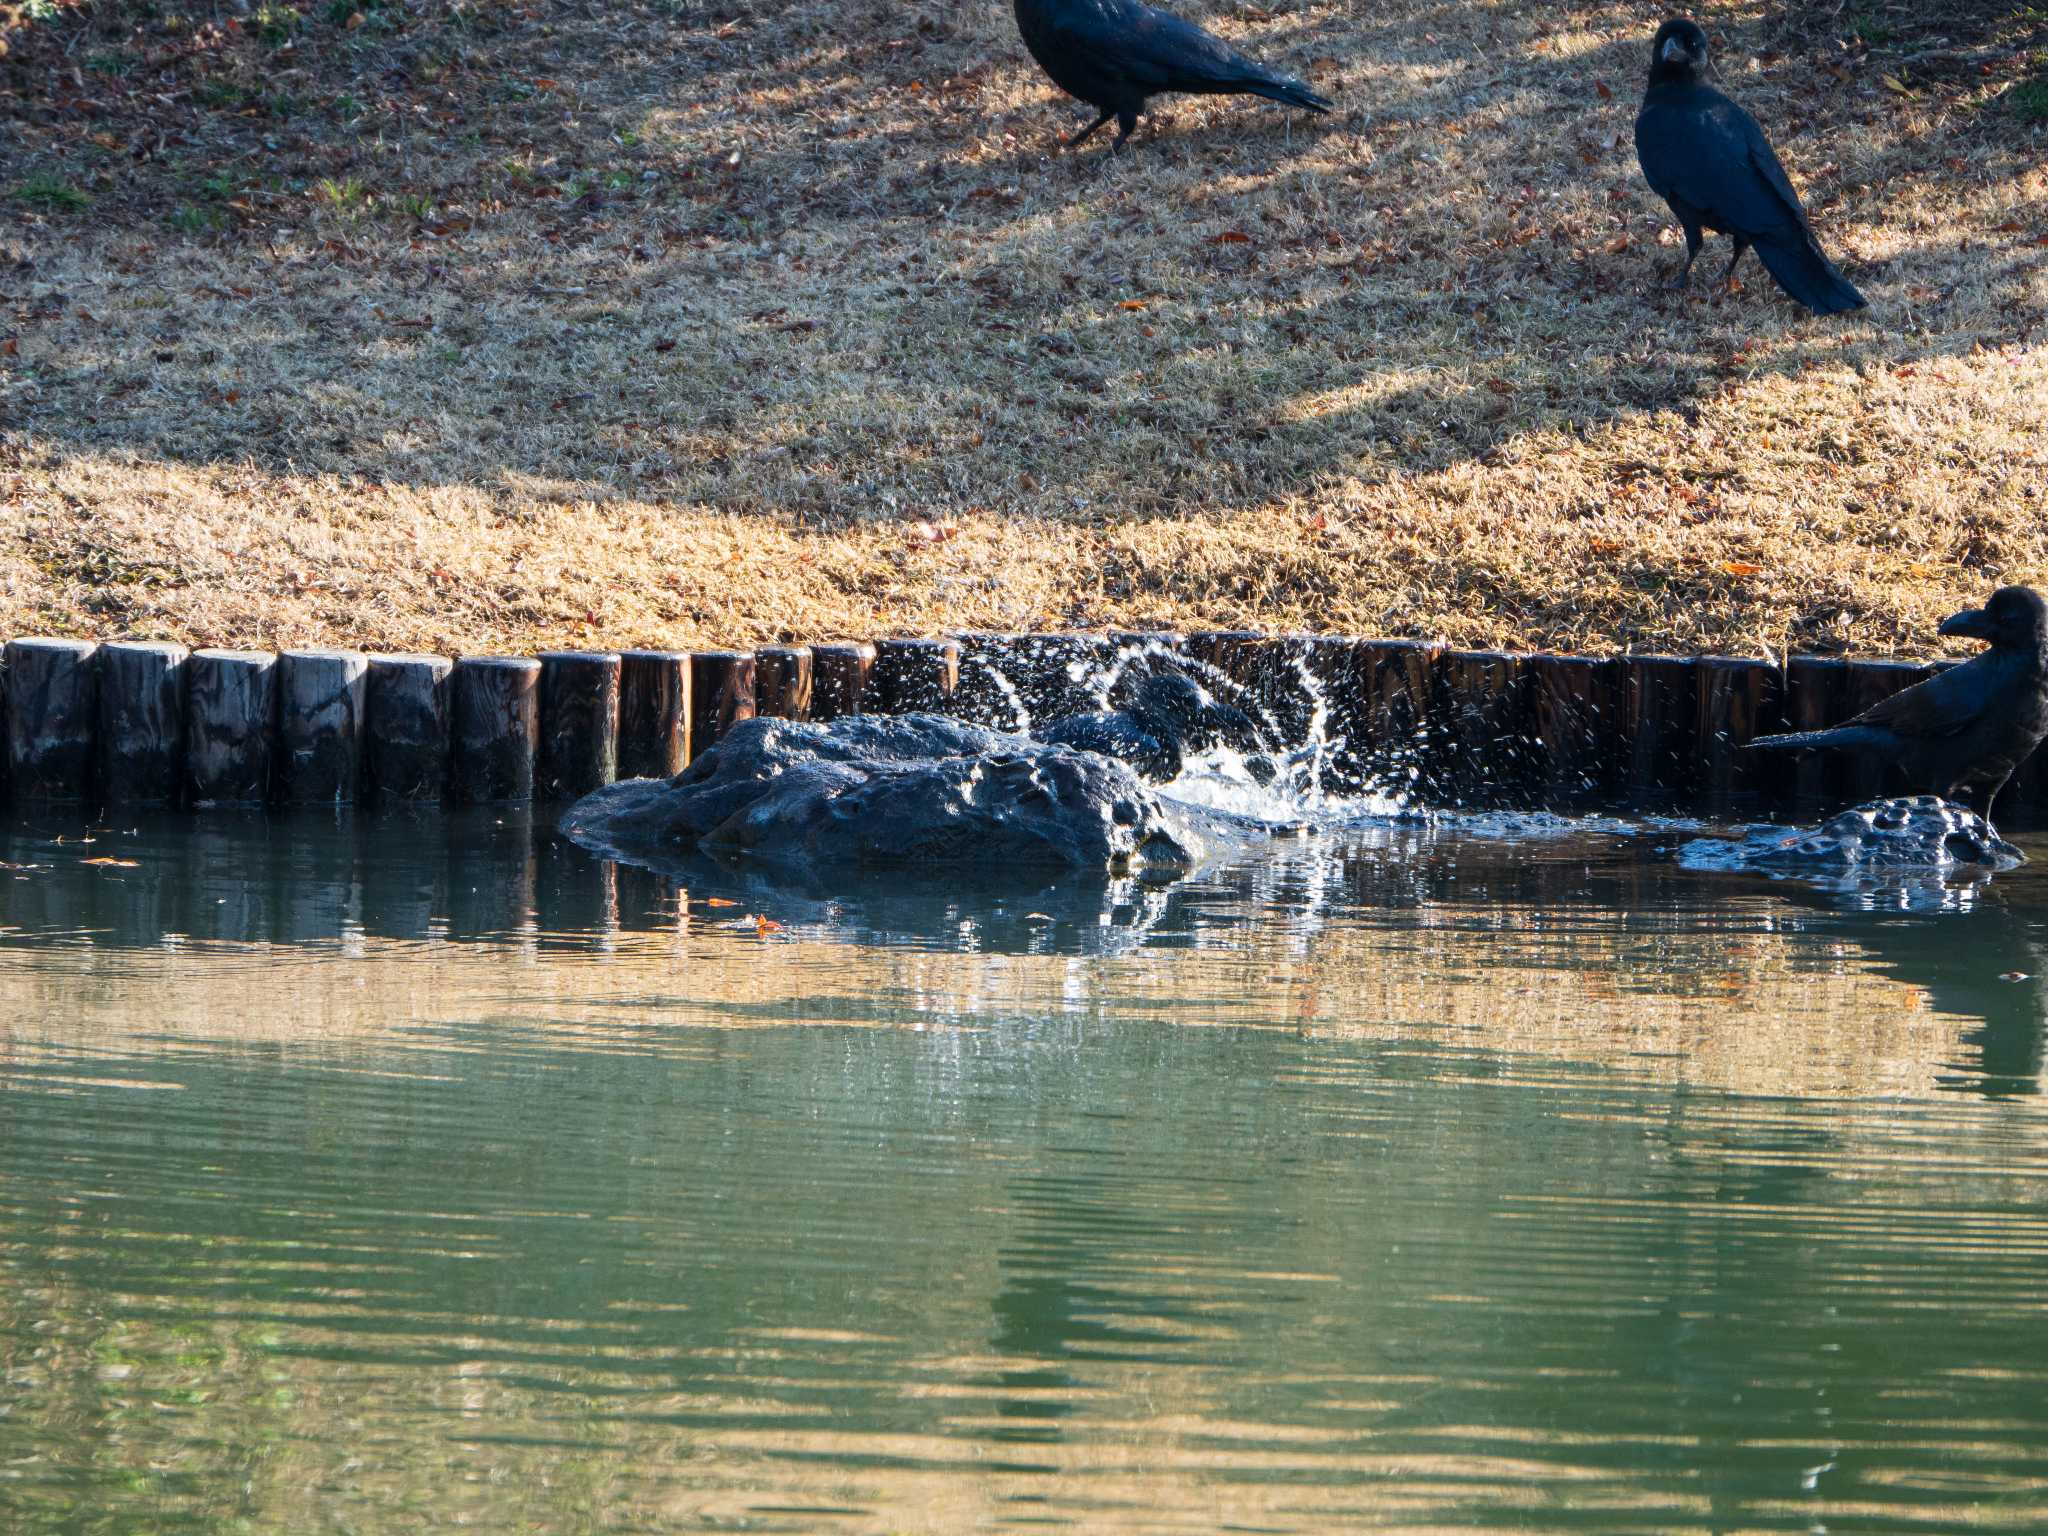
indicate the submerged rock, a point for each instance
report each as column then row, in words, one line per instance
column 1917, row 833
column 895, row 790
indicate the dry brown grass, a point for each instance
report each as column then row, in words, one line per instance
column 476, row 326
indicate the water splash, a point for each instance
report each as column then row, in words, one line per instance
column 1299, row 770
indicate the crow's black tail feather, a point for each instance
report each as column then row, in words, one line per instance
column 1804, row 272
column 1839, row 736
column 1293, row 93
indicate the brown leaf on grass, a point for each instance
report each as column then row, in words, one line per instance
column 1231, row 237
column 1605, row 91
column 1741, row 568
column 924, row 531
column 1131, row 304
column 665, row 344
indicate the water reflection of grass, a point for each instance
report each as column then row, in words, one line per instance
column 1755, row 1006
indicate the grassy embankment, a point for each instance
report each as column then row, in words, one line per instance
column 475, row 326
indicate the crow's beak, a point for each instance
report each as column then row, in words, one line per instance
column 1674, row 50
column 1973, row 622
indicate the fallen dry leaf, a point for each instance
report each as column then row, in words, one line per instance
column 1741, row 568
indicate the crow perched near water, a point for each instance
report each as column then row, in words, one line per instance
column 1113, row 54
column 1170, row 716
column 1971, row 724
column 1707, row 158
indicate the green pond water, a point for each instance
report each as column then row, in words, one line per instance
column 428, row 1174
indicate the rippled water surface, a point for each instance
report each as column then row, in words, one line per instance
column 420, row 1174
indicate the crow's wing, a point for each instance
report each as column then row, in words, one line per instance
column 1702, row 150
column 1946, row 704
column 1113, row 734
column 1153, row 50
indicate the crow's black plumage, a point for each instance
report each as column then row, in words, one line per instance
column 1113, row 54
column 1970, row 724
column 1710, row 161
column 1170, row 716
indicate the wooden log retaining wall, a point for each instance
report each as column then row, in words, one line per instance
column 130, row 723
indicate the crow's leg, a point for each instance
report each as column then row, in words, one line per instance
column 1125, row 123
column 1991, row 795
column 1693, row 240
column 1077, row 138
column 1728, row 276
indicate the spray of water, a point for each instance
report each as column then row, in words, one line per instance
column 1291, row 775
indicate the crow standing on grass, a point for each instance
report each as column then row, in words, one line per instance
column 1972, row 724
column 1707, row 158
column 1113, row 54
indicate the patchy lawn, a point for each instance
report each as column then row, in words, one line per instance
column 483, row 325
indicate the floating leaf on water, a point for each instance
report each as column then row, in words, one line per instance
column 2013, row 976
column 108, row 863
column 719, row 901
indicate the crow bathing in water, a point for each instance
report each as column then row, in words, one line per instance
column 1972, row 724
column 1707, row 158
column 1113, row 54
column 1171, row 716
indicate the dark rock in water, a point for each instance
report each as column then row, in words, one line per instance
column 1918, row 833
column 896, row 790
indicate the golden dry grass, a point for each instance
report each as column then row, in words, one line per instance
column 479, row 326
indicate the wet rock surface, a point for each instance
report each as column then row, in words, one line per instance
column 905, row 790
column 1918, row 833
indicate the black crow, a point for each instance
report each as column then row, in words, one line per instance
column 1971, row 724
column 1170, row 716
column 1707, row 158
column 1113, row 54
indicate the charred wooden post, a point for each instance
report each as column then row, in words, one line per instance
column 1661, row 716
column 1579, row 717
column 782, row 681
column 1740, row 699
column 913, row 675
column 1232, row 652
column 990, row 691
column 839, row 678
column 52, row 717
column 579, row 722
column 1865, row 683
column 494, row 727
column 406, row 753
column 654, row 714
column 1381, row 703
column 1815, row 690
column 721, row 695
column 1482, row 704
column 320, row 699
column 142, row 722
column 230, row 726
